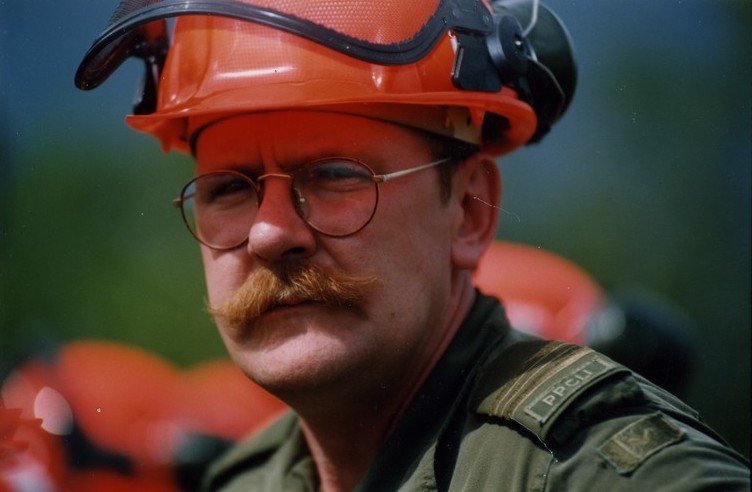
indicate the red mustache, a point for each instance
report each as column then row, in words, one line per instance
column 290, row 284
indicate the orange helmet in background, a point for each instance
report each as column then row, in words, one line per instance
column 99, row 415
column 546, row 295
column 461, row 68
column 543, row 293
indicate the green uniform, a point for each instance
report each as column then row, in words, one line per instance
column 503, row 411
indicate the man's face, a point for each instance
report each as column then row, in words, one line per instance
column 390, row 332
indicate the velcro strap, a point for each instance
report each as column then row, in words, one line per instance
column 632, row 445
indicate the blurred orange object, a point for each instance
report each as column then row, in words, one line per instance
column 107, row 416
column 544, row 294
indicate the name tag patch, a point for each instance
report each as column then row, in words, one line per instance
column 546, row 403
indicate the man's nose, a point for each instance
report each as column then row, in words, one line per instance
column 278, row 231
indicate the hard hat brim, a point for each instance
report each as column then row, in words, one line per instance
column 452, row 114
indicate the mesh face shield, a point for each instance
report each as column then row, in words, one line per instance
column 402, row 35
column 485, row 56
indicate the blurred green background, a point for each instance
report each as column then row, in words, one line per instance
column 645, row 182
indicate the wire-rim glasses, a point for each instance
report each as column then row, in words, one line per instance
column 335, row 196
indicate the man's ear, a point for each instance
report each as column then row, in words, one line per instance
column 476, row 188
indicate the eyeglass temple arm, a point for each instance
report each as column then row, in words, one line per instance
column 178, row 202
column 383, row 178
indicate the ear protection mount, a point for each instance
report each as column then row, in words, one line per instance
column 551, row 78
column 538, row 62
column 493, row 50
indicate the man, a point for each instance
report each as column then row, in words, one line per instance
column 346, row 189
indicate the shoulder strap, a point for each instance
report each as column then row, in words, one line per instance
column 534, row 382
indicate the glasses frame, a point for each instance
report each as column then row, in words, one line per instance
column 257, row 184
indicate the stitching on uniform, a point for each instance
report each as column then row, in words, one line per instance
column 511, row 394
column 533, row 374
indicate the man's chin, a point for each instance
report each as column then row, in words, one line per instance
column 290, row 365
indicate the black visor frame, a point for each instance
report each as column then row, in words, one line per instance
column 128, row 33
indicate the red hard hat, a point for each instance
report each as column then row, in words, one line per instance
column 455, row 67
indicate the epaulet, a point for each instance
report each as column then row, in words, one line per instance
column 534, row 383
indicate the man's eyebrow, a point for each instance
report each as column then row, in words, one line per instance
column 236, row 166
column 253, row 168
column 244, row 168
column 257, row 169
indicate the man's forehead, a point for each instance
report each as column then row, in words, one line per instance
column 287, row 138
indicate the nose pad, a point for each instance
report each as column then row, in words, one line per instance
column 300, row 203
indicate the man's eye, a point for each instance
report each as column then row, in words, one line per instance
column 221, row 189
column 337, row 174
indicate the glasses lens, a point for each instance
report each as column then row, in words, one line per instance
column 336, row 196
column 219, row 208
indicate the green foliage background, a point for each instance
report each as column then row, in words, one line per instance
column 646, row 182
